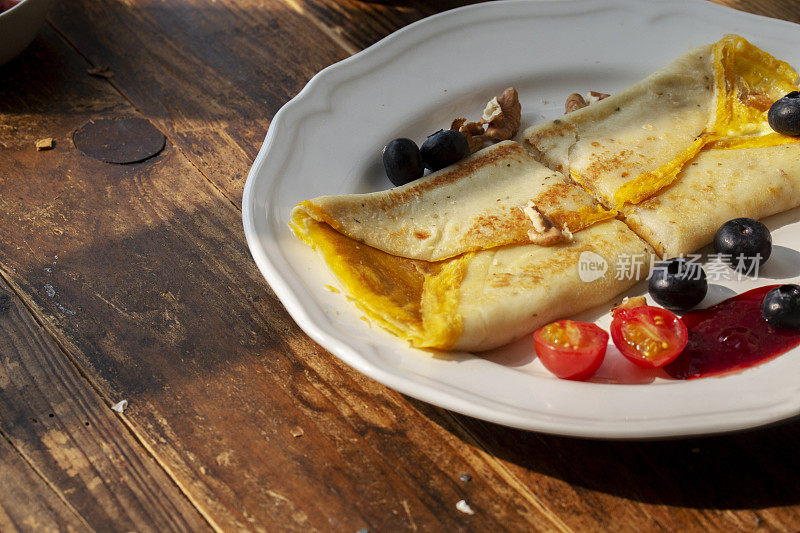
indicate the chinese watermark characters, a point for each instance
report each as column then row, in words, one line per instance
column 717, row 267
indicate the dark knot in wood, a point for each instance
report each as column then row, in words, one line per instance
column 119, row 140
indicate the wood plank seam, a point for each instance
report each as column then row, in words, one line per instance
column 43, row 323
column 327, row 30
column 46, row 481
column 529, row 495
column 200, row 509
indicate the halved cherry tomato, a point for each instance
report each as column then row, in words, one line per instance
column 570, row 349
column 649, row 336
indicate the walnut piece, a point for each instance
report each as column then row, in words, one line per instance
column 627, row 303
column 594, row 96
column 491, row 111
column 574, row 102
column 544, row 232
column 568, row 236
column 504, row 125
column 577, row 101
column 473, row 131
column 501, row 117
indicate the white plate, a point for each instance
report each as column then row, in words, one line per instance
column 327, row 140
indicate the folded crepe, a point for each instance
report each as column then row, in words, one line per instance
column 457, row 259
column 686, row 149
column 469, row 206
column 480, row 253
column 717, row 186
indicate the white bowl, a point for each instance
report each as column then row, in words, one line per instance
column 19, row 25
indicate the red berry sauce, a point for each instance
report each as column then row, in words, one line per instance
column 730, row 336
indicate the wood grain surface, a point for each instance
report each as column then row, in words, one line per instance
column 27, row 501
column 57, row 422
column 134, row 282
column 153, row 293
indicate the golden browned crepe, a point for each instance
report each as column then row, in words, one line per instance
column 686, row 149
column 610, row 143
column 413, row 261
column 717, row 186
column 472, row 205
column 459, row 258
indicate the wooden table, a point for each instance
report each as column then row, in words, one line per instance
column 134, row 282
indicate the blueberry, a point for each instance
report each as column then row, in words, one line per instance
column 784, row 115
column 444, row 148
column 781, row 307
column 678, row 284
column 402, row 161
column 744, row 242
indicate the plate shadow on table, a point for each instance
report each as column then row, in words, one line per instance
column 743, row 470
column 751, row 469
